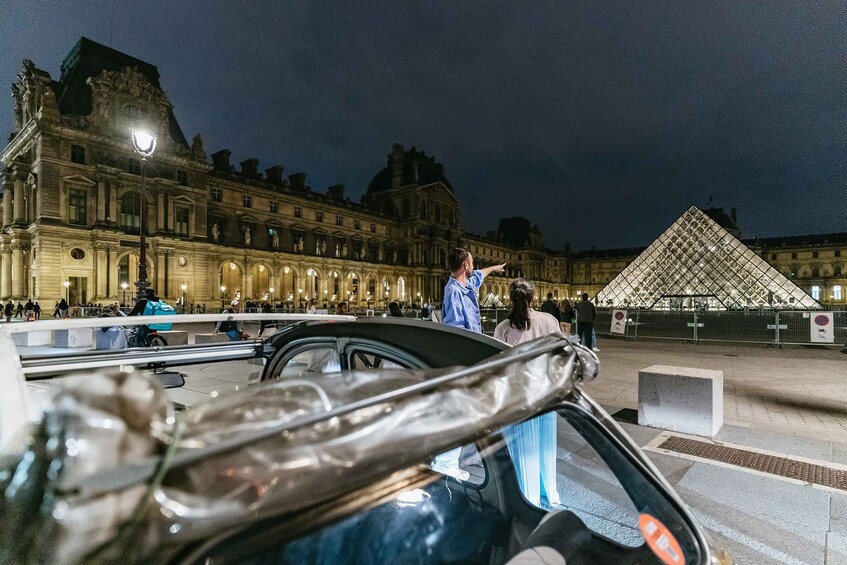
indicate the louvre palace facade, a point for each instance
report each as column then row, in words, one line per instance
column 71, row 213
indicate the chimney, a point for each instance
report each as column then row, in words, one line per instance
column 336, row 192
column 220, row 160
column 274, row 174
column 395, row 161
column 298, row 181
column 734, row 218
column 250, row 168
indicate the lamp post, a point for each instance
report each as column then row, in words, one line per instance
column 67, row 285
column 124, row 286
column 223, row 288
column 271, row 289
column 183, row 286
column 300, row 299
column 145, row 144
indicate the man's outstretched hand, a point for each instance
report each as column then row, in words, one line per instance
column 493, row 269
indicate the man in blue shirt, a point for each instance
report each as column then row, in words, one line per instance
column 461, row 309
column 461, row 305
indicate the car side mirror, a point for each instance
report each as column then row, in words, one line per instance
column 171, row 379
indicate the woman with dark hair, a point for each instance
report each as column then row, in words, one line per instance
column 394, row 310
column 524, row 323
column 532, row 444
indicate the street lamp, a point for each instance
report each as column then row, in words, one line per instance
column 67, row 291
column 271, row 289
column 183, row 287
column 124, row 286
column 223, row 288
column 145, row 144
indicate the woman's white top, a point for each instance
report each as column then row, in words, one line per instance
column 540, row 324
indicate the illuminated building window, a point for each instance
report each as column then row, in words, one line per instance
column 77, row 203
column 181, row 215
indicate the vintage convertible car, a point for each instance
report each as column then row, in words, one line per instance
column 337, row 456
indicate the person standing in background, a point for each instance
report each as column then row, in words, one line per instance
column 585, row 315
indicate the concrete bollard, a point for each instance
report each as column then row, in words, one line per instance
column 681, row 399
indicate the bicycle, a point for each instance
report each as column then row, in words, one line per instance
column 141, row 336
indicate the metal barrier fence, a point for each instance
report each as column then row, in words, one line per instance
column 792, row 327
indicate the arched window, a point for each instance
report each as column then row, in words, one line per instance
column 816, row 292
column 836, row 292
column 422, row 209
column 437, row 214
column 131, row 211
column 405, row 207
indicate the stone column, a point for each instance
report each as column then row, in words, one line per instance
column 113, row 203
column 172, row 285
column 248, row 282
column 112, row 287
column 17, row 271
column 100, row 269
column 160, row 212
column 6, row 278
column 20, row 199
column 8, row 195
column 100, row 215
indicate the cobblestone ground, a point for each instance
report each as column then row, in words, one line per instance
column 800, row 390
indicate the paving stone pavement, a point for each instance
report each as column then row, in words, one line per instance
column 799, row 390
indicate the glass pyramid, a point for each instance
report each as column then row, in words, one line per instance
column 492, row 301
column 696, row 263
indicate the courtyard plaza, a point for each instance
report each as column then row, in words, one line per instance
column 790, row 401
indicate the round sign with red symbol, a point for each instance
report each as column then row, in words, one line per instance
column 660, row 540
column 822, row 320
column 619, row 315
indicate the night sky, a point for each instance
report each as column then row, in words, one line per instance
column 599, row 121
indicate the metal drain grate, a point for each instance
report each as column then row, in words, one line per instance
column 781, row 466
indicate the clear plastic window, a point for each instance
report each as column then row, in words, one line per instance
column 310, row 362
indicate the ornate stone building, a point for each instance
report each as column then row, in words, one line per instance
column 71, row 206
column 71, row 212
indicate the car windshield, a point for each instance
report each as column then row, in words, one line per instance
column 489, row 515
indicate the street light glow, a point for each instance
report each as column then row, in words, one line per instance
column 184, row 286
column 144, row 142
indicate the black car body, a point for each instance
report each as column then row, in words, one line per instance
column 320, row 466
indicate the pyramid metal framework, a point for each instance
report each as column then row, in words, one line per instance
column 697, row 263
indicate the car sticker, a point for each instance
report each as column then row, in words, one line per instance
column 660, row 540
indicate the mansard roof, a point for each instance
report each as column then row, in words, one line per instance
column 413, row 167
column 88, row 59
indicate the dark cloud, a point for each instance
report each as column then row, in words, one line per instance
column 601, row 122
